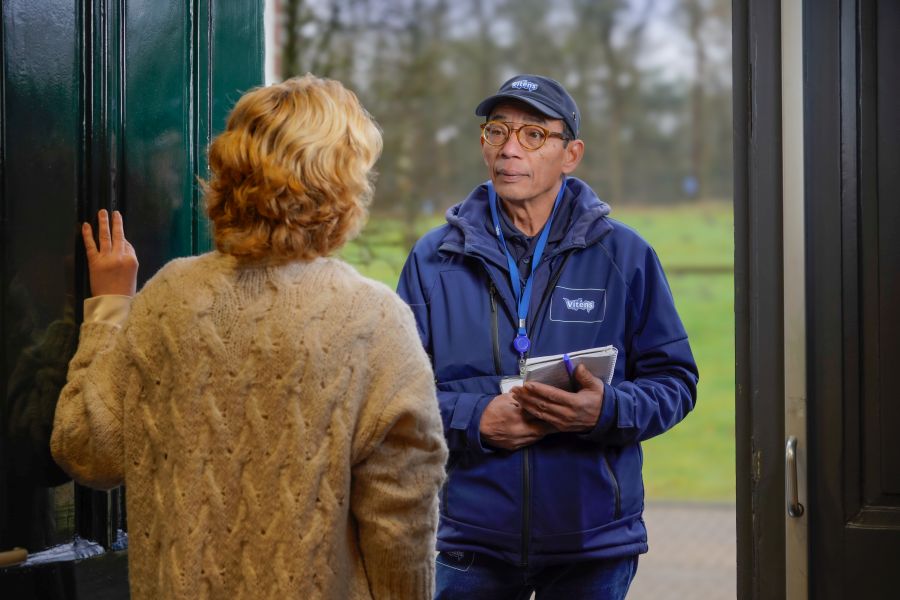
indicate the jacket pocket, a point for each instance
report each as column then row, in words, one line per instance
column 485, row 491
column 576, row 487
column 617, row 491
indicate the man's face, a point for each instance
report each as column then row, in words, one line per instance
column 521, row 176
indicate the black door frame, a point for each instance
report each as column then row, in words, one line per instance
column 758, row 293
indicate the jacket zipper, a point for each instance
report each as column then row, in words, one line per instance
column 495, row 331
column 526, row 452
column 526, row 503
column 615, row 484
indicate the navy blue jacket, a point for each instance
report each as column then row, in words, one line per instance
column 570, row 496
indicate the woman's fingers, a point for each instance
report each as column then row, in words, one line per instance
column 112, row 240
column 118, row 232
column 103, row 230
column 87, row 234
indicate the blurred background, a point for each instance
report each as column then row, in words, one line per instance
column 653, row 81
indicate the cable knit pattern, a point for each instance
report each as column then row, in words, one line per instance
column 276, row 428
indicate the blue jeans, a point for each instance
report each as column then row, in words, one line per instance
column 472, row 576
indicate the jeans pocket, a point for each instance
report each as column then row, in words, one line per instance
column 460, row 560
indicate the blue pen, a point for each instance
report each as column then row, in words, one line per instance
column 570, row 368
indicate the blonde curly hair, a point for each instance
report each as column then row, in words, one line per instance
column 291, row 175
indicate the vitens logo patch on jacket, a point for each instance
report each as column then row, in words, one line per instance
column 578, row 305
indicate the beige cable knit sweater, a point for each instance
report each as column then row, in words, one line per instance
column 276, row 428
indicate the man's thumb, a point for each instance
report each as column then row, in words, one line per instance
column 586, row 379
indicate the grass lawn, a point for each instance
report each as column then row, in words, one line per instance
column 695, row 460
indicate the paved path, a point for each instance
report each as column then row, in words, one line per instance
column 692, row 553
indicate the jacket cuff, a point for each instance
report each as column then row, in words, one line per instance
column 110, row 309
column 474, row 432
column 608, row 415
column 467, row 419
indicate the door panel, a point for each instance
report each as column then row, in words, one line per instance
column 187, row 64
column 882, row 244
column 41, row 124
column 158, row 148
column 103, row 103
column 853, row 142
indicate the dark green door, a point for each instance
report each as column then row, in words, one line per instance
column 105, row 103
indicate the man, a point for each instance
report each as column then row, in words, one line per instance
column 544, row 489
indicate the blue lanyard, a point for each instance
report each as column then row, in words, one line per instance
column 523, row 299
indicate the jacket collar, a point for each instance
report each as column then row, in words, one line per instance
column 471, row 232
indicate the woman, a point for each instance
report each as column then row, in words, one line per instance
column 270, row 411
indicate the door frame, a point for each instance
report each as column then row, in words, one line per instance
column 758, row 294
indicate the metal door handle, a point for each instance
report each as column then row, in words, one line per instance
column 794, row 508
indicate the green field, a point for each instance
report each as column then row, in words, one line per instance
column 694, row 461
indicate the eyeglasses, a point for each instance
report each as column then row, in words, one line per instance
column 531, row 137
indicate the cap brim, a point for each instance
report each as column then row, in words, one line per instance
column 484, row 109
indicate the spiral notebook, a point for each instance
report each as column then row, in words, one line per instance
column 552, row 371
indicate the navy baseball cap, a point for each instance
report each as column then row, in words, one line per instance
column 549, row 97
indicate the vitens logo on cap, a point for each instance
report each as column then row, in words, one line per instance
column 524, row 84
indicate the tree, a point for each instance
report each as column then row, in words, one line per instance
column 619, row 34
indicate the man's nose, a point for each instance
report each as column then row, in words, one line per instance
column 511, row 147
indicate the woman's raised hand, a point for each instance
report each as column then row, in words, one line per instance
column 113, row 267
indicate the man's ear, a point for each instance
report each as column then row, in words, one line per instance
column 573, row 153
